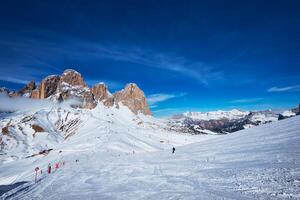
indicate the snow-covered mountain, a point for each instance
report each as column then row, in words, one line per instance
column 126, row 156
column 37, row 118
column 216, row 115
column 26, row 134
column 220, row 122
column 38, row 131
column 123, row 152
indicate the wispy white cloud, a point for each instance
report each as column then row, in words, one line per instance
column 27, row 104
column 153, row 99
column 14, row 80
column 285, row 89
column 153, row 106
column 156, row 98
column 75, row 49
column 15, row 73
column 249, row 100
column 196, row 70
column 22, row 103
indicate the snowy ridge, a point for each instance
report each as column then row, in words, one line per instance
column 223, row 122
column 60, row 123
column 215, row 115
column 67, row 71
column 22, row 140
column 288, row 113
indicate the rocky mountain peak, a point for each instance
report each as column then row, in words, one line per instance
column 131, row 87
column 27, row 89
column 100, row 91
column 70, row 85
column 73, row 78
column 134, row 98
column 47, row 87
column 29, row 86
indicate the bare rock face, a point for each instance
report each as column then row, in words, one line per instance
column 88, row 100
column 47, row 87
column 69, row 85
column 72, row 86
column 100, row 91
column 73, row 78
column 82, row 97
column 134, row 98
column 26, row 91
column 35, row 94
column 109, row 102
column 37, row 128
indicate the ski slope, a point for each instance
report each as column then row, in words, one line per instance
column 120, row 160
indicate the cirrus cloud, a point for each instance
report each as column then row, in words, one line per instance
column 285, row 89
column 250, row 100
column 153, row 99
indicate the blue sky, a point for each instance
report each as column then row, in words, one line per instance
column 185, row 55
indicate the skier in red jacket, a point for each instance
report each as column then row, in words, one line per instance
column 56, row 166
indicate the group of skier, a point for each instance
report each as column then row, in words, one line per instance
column 56, row 166
column 62, row 163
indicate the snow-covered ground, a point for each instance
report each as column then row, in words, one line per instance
column 122, row 156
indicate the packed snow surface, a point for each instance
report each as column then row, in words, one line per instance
column 122, row 156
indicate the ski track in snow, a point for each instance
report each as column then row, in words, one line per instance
column 258, row 163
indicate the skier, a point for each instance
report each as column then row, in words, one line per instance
column 173, row 150
column 56, row 166
column 49, row 168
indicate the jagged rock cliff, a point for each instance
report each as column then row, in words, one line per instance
column 73, row 78
column 134, row 98
column 100, row 92
column 47, row 87
column 70, row 85
column 27, row 89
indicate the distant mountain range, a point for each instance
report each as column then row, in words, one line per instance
column 222, row 122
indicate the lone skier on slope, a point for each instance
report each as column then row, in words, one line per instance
column 49, row 168
column 173, row 150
